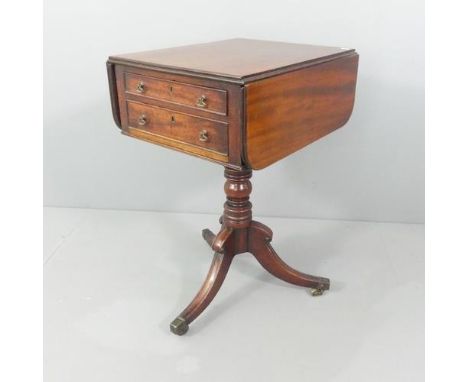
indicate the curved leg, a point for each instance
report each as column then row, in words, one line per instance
column 208, row 236
column 259, row 245
column 217, row 242
column 214, row 279
column 221, row 238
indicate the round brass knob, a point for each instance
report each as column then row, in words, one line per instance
column 142, row 120
column 140, row 87
column 201, row 102
column 203, row 136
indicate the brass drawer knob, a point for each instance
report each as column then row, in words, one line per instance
column 142, row 120
column 201, row 102
column 203, row 136
column 140, row 87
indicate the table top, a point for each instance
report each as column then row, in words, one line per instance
column 240, row 103
column 235, row 58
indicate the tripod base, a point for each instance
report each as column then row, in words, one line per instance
column 240, row 234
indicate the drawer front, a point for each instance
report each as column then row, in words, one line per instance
column 198, row 97
column 196, row 131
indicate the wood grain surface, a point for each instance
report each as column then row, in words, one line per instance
column 224, row 144
column 286, row 113
column 181, row 127
column 177, row 93
column 285, row 97
column 236, row 58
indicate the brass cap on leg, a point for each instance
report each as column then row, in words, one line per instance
column 179, row 326
column 316, row 292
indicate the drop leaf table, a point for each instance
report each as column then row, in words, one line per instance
column 244, row 104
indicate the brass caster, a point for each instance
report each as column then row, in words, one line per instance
column 179, row 326
column 316, row 292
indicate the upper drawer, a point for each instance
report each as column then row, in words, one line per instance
column 198, row 97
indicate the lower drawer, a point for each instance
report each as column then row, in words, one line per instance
column 189, row 129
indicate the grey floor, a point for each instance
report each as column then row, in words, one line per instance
column 113, row 281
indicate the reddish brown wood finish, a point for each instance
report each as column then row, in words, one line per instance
column 113, row 93
column 236, row 60
column 215, row 101
column 213, row 281
column 260, row 237
column 224, row 144
column 241, row 103
column 181, row 127
column 239, row 234
column 274, row 98
column 286, row 113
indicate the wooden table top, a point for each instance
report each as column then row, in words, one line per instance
column 236, row 58
column 241, row 103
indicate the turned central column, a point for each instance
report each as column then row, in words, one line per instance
column 237, row 208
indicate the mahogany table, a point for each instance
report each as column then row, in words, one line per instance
column 244, row 104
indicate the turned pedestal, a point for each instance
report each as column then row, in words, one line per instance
column 240, row 234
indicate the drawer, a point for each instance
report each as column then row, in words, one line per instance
column 198, row 97
column 196, row 131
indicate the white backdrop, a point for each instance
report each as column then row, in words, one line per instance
column 371, row 169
